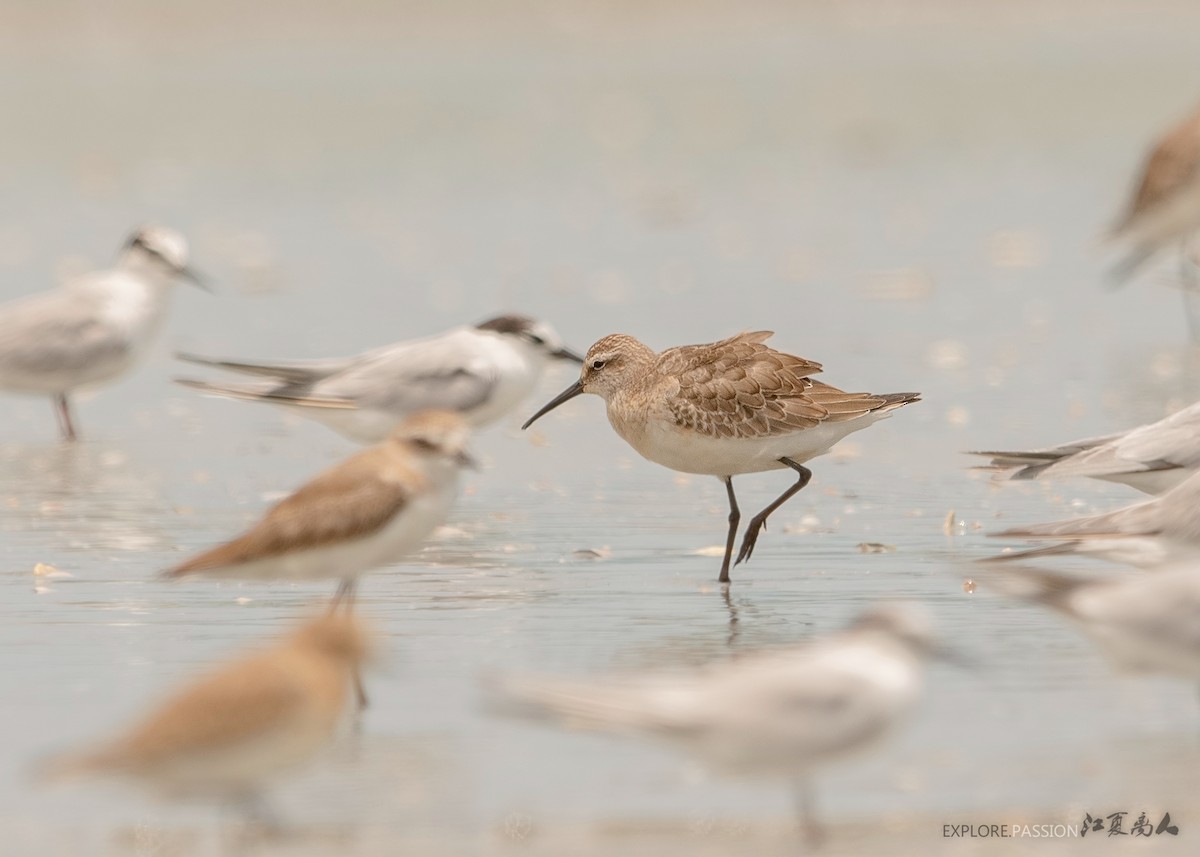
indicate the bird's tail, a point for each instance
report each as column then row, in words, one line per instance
column 1018, row 464
column 1037, row 585
column 265, row 393
column 570, row 704
column 291, row 371
column 1136, row 520
column 73, row 766
column 1061, row 549
column 891, row 401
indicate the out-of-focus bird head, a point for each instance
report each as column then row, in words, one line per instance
column 538, row 338
column 436, row 434
column 161, row 249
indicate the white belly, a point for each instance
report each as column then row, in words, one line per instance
column 54, row 380
column 692, row 452
column 368, row 425
column 362, row 426
column 513, row 385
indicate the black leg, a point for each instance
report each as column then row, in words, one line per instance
column 759, row 521
column 62, row 408
column 360, row 692
column 344, row 596
column 735, row 518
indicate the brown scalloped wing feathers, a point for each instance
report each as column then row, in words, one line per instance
column 739, row 387
column 349, row 501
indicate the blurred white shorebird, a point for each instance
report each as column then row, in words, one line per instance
column 372, row 509
column 722, row 409
column 1152, row 534
column 92, row 330
column 782, row 713
column 232, row 732
column 483, row 372
column 1146, row 623
column 1153, row 458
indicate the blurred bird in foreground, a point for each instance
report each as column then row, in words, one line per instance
column 1165, row 209
column 232, row 732
column 1153, row 458
column 92, row 330
column 723, row 409
column 781, row 713
column 1146, row 623
column 482, row 372
column 370, row 510
column 1150, row 535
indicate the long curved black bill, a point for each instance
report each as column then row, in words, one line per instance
column 565, row 396
column 565, row 353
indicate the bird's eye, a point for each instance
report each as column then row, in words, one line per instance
column 536, row 340
column 597, row 365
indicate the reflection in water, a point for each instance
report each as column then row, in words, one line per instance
column 52, row 472
column 734, row 628
column 81, row 497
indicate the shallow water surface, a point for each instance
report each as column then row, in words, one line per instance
column 914, row 207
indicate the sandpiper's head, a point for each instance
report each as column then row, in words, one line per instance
column 335, row 635
column 162, row 251
column 611, row 364
column 436, row 435
column 539, row 339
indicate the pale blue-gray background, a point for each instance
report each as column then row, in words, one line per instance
column 910, row 194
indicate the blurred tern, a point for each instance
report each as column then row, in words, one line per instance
column 372, row 509
column 1143, row 623
column 228, row 734
column 1149, row 535
column 92, row 330
column 1153, row 458
column 782, row 713
column 483, row 372
column 723, row 409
